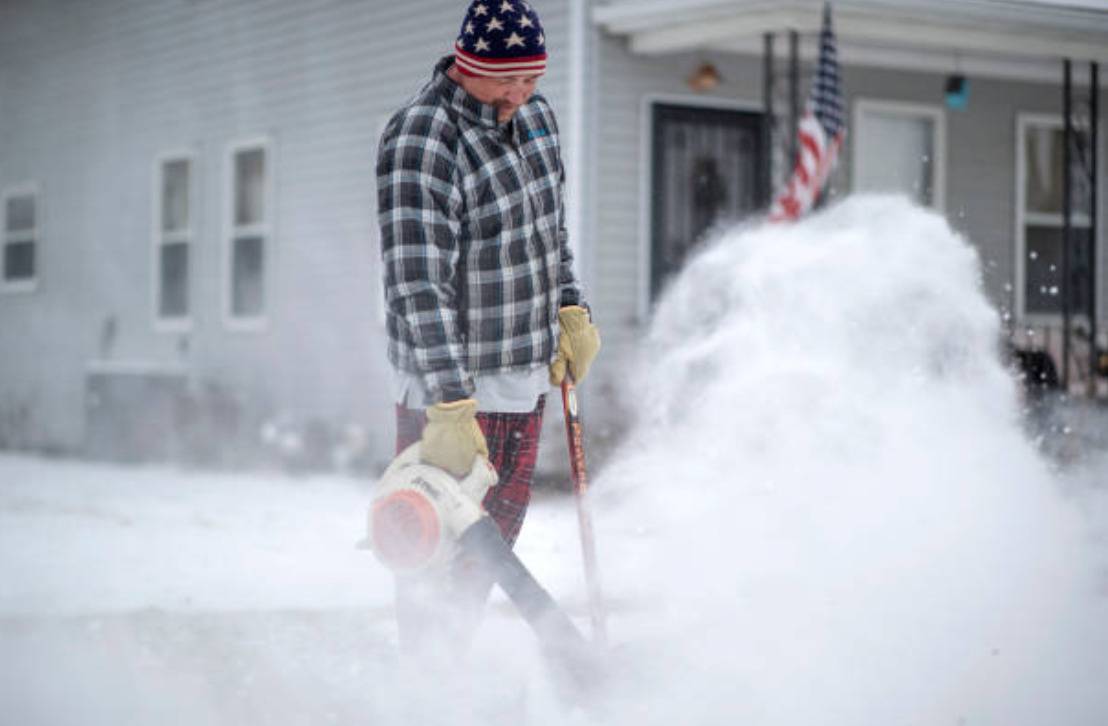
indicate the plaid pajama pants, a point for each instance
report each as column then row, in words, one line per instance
column 513, row 440
column 429, row 613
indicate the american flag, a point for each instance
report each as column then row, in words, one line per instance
column 820, row 133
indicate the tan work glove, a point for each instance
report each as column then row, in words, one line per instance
column 452, row 439
column 578, row 344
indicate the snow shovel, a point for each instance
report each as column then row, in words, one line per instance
column 574, row 436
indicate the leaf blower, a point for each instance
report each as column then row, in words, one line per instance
column 421, row 518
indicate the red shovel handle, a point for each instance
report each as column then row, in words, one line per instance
column 574, row 436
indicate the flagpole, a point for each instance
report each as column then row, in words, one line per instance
column 794, row 98
column 1067, row 200
column 767, row 127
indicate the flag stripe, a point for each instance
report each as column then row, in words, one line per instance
column 820, row 134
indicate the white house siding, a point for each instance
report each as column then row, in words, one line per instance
column 92, row 93
column 980, row 178
column 624, row 82
column 981, row 159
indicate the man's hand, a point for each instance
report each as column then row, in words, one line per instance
column 452, row 439
column 578, row 344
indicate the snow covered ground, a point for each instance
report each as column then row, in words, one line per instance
column 153, row 596
column 829, row 513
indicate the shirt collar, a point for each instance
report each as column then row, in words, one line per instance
column 457, row 98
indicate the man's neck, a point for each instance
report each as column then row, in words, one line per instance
column 458, row 77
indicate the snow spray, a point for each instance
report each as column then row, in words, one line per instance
column 828, row 512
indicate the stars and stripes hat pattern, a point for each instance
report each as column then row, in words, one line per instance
column 500, row 38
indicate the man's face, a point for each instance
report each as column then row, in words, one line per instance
column 505, row 94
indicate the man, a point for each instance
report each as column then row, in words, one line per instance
column 483, row 309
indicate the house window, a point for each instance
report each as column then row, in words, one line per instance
column 904, row 150
column 21, row 224
column 173, row 239
column 250, row 232
column 1039, row 176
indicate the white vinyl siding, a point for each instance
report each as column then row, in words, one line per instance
column 94, row 92
column 904, row 150
column 21, row 219
column 250, row 231
column 173, row 241
column 1039, row 176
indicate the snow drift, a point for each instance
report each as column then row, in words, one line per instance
column 837, row 516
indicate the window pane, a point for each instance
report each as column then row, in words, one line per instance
column 20, row 213
column 1043, row 149
column 175, row 195
column 249, row 186
column 247, row 281
column 19, row 261
column 1043, row 278
column 173, row 301
column 898, row 155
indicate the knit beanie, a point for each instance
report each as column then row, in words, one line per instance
column 500, row 38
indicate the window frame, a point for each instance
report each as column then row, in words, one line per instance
column 1024, row 121
column 932, row 112
column 30, row 284
column 231, row 231
column 158, row 239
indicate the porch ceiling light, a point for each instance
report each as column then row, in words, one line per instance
column 704, row 78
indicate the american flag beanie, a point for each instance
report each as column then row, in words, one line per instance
column 500, row 38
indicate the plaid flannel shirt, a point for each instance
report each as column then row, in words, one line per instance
column 473, row 237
